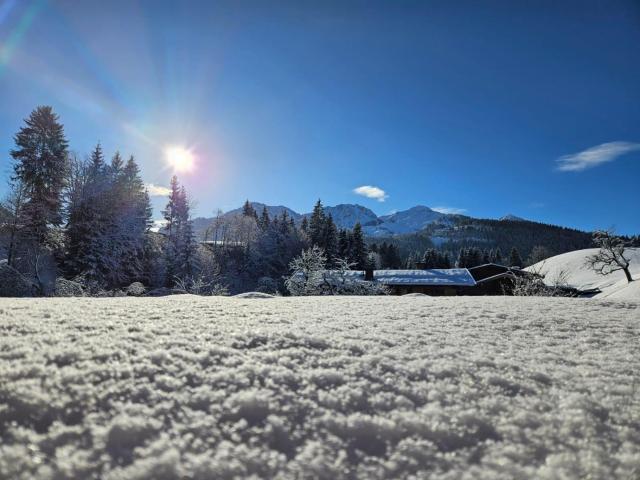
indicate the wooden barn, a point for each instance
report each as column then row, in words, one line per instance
column 488, row 279
column 436, row 282
column 494, row 279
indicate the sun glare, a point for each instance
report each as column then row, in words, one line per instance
column 180, row 159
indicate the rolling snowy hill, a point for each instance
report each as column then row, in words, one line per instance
column 571, row 268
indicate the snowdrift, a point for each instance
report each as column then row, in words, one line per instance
column 323, row 388
column 571, row 267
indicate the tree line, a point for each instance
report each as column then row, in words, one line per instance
column 88, row 220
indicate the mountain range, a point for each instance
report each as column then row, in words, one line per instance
column 421, row 227
column 347, row 215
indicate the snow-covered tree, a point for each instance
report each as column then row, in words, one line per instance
column 180, row 242
column 307, row 272
column 40, row 165
column 10, row 226
column 264, row 220
column 610, row 258
column 88, row 218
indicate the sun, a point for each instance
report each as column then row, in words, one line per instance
column 180, row 159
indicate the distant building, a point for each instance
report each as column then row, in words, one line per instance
column 495, row 279
column 436, row 282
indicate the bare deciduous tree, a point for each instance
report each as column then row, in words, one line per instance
column 610, row 258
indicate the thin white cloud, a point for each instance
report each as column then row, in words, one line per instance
column 594, row 156
column 370, row 191
column 449, row 210
column 157, row 190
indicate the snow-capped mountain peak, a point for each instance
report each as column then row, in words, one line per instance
column 347, row 215
column 512, row 218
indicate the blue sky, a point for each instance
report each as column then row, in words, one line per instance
column 486, row 107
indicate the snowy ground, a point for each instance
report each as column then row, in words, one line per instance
column 361, row 387
column 572, row 268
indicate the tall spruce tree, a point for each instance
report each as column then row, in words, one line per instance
column 172, row 228
column 359, row 247
column 343, row 244
column 131, row 222
column 264, row 219
column 249, row 211
column 89, row 219
column 304, row 225
column 40, row 166
column 180, row 242
column 330, row 240
column 317, row 225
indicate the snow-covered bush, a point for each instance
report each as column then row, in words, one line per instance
column 307, row 273
column 310, row 277
column 136, row 289
column 199, row 286
column 340, row 281
column 319, row 387
column 68, row 288
column 534, row 284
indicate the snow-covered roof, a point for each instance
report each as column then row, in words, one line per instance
column 449, row 276
column 434, row 277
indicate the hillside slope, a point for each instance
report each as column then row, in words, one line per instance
column 571, row 267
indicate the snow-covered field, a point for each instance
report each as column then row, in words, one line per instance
column 572, row 268
column 360, row 387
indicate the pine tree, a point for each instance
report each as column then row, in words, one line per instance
column 446, row 260
column 131, row 222
column 359, row 247
column 89, row 219
column 248, row 210
column 187, row 245
column 169, row 213
column 264, row 220
column 40, row 166
column 474, row 257
column 410, row 262
column 462, row 261
column 304, row 225
column 172, row 227
column 317, row 224
column 497, row 258
column 330, row 240
column 343, row 244
column 181, row 246
column 515, row 260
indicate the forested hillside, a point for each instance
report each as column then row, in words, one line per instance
column 460, row 232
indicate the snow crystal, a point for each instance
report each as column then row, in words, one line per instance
column 319, row 387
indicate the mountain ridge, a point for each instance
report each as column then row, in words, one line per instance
column 345, row 215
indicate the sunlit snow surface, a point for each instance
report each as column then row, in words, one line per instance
column 571, row 268
column 396, row 387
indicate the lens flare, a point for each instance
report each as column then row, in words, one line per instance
column 180, row 159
